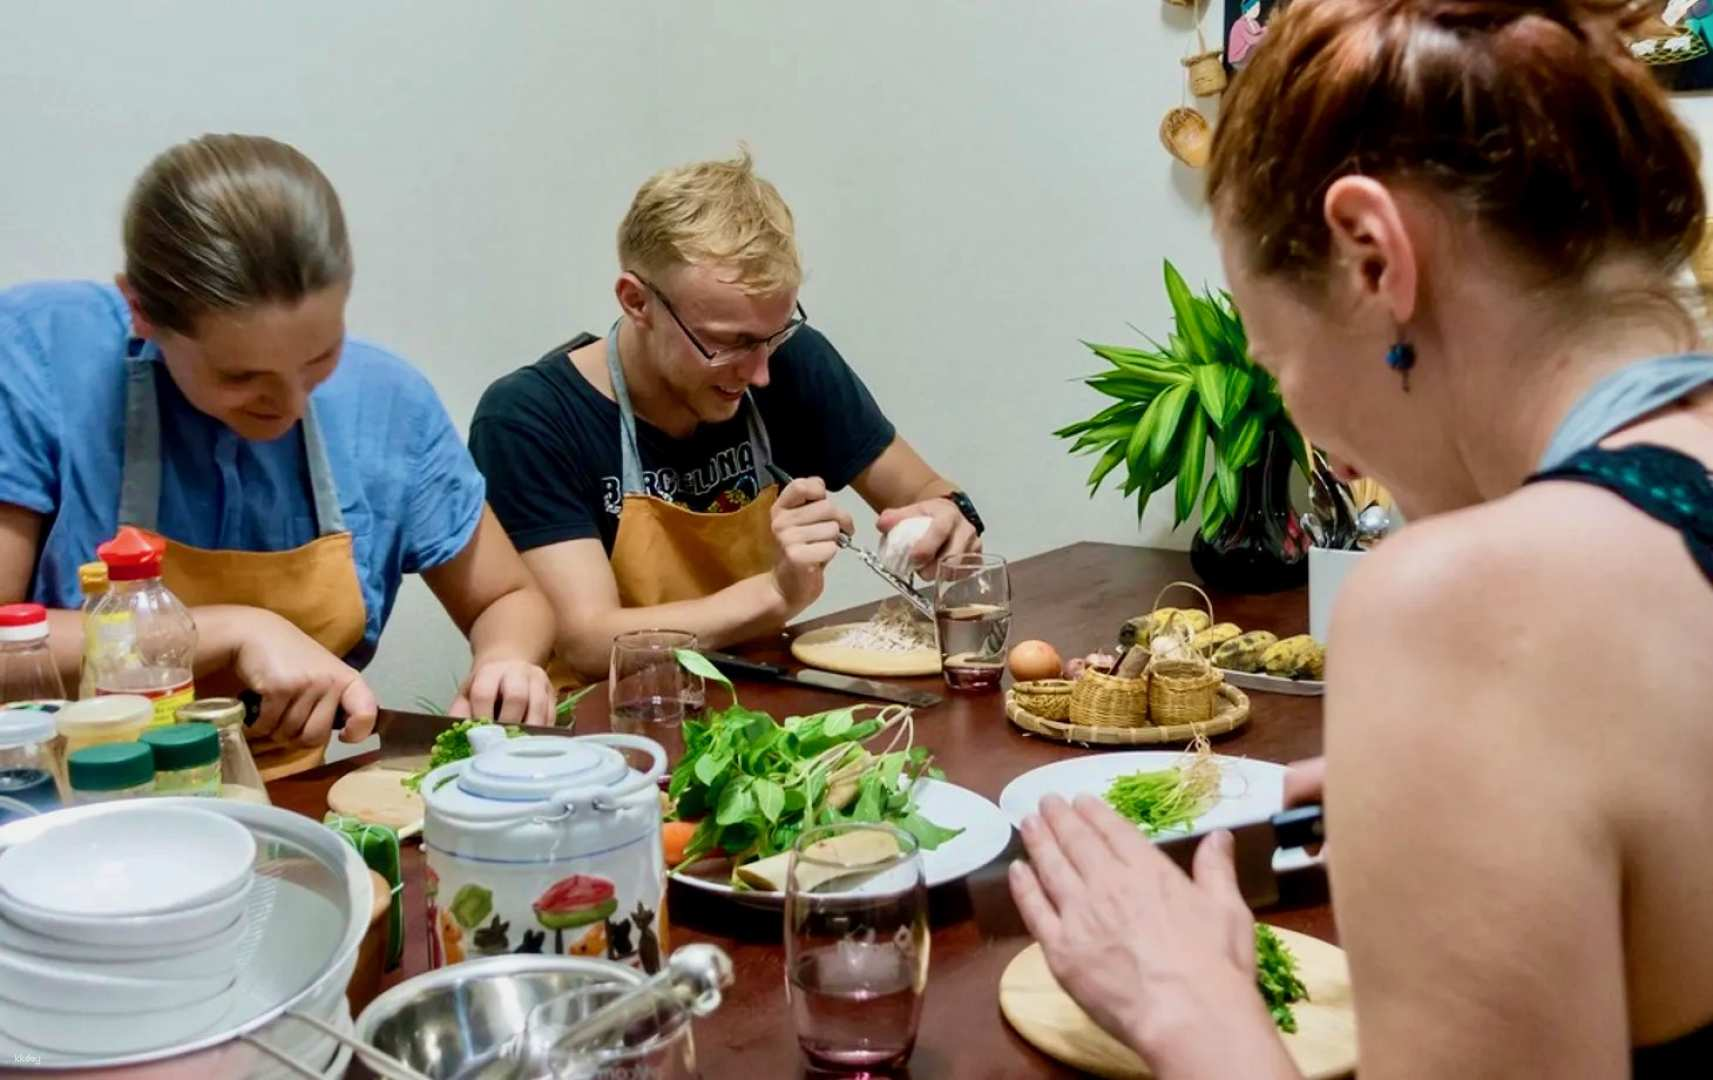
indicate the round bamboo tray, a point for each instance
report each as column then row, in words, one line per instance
column 1231, row 711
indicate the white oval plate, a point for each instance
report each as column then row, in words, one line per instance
column 148, row 860
column 985, row 834
column 1249, row 790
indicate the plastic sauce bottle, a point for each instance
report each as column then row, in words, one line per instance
column 92, row 579
column 111, row 771
column 187, row 759
column 27, row 668
column 145, row 638
column 239, row 777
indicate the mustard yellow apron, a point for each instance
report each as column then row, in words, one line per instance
column 314, row 587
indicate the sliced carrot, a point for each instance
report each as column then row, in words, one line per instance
column 675, row 837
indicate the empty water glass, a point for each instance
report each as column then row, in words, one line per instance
column 655, row 1045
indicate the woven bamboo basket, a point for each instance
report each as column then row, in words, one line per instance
column 1231, row 713
column 1187, row 136
column 1207, row 73
column 1049, row 699
column 1102, row 700
column 1182, row 691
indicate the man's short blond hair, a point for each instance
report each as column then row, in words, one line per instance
column 713, row 213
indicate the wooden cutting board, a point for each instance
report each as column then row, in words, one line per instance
column 376, row 796
column 1324, row 1045
column 819, row 649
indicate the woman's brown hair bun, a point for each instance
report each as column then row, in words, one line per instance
column 227, row 221
column 1531, row 118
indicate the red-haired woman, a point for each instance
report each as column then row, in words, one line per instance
column 1453, row 229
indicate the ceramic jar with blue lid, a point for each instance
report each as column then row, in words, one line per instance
column 546, row 844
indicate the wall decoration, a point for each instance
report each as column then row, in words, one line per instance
column 1245, row 27
column 1676, row 43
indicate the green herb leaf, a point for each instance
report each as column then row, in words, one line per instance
column 710, row 766
column 927, row 834
column 697, row 664
column 770, row 799
column 736, row 803
column 838, row 723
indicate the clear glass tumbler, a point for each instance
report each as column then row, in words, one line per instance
column 649, row 692
column 972, row 619
column 856, row 947
column 655, row 1045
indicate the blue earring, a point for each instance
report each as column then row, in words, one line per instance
column 1401, row 357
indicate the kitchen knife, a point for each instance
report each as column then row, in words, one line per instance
column 823, row 680
column 1253, row 847
column 402, row 733
column 871, row 560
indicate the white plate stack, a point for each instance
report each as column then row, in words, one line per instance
column 121, row 933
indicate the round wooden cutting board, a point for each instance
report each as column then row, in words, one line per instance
column 376, row 796
column 1324, row 1045
column 819, row 649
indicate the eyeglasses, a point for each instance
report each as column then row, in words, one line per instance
column 731, row 354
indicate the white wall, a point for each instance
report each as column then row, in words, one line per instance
column 977, row 186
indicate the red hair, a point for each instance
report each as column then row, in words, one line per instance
column 1532, row 119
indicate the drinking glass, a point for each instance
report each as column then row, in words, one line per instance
column 656, row 1046
column 856, row 946
column 648, row 691
column 972, row 619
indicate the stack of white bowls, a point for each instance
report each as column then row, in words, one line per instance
column 120, row 933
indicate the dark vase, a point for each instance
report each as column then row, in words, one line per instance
column 1262, row 548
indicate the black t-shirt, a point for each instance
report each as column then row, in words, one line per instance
column 548, row 442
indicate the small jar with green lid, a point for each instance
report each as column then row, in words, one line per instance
column 187, row 758
column 111, row 771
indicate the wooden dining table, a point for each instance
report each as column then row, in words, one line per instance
column 1075, row 597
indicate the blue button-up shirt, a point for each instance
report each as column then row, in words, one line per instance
column 411, row 495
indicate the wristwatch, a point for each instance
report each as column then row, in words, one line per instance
column 967, row 509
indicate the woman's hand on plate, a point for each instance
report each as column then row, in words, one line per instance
column 505, row 690
column 1162, row 961
column 302, row 685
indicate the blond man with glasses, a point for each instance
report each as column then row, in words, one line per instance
column 634, row 471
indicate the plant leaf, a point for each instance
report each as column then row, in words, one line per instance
column 1169, row 410
column 1294, row 443
column 1225, row 477
column 1135, row 452
column 1184, row 313
column 1190, row 466
column 1109, row 461
column 1239, row 381
column 710, row 766
column 1244, row 440
column 1214, row 512
column 1211, row 381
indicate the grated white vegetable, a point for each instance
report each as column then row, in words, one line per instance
column 893, row 628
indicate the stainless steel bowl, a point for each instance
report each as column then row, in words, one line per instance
column 452, row 1022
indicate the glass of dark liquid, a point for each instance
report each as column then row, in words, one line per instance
column 972, row 618
column 856, row 947
column 649, row 693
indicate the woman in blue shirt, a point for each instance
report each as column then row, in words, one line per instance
column 212, row 397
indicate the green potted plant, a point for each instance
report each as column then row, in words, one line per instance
column 1170, row 402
